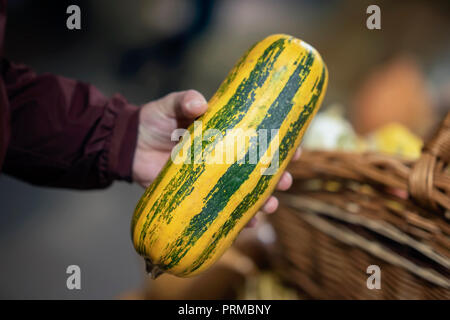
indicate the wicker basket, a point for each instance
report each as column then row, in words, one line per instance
column 348, row 211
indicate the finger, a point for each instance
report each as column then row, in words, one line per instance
column 297, row 154
column 285, row 181
column 271, row 205
column 144, row 184
column 193, row 104
column 252, row 222
column 187, row 104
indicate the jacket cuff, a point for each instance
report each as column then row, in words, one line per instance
column 121, row 144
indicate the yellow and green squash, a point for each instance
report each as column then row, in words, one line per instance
column 194, row 210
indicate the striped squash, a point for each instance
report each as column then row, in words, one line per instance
column 195, row 209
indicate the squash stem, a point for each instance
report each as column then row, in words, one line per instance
column 152, row 269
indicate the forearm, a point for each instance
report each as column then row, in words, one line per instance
column 65, row 133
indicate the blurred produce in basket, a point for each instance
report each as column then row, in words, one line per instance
column 395, row 139
column 393, row 92
column 329, row 130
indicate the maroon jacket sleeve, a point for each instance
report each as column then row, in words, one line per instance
column 60, row 132
column 65, row 133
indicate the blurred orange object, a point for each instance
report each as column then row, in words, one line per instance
column 394, row 92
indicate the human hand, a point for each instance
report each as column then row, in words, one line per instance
column 157, row 120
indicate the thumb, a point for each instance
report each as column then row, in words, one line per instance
column 187, row 104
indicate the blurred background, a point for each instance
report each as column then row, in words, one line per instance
column 144, row 49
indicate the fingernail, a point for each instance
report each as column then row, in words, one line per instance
column 194, row 104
